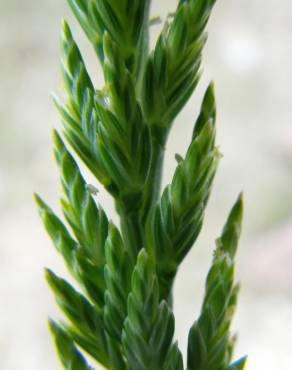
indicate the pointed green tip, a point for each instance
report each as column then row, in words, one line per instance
column 142, row 261
column 36, row 197
column 207, row 114
column 237, row 210
column 59, row 147
column 239, row 206
column 55, row 135
column 52, row 324
column 209, row 102
column 211, row 89
column 106, row 36
column 112, row 229
column 240, row 197
column 238, row 365
column 142, row 256
column 66, row 32
column 107, row 45
column 47, row 272
column 43, row 208
column 58, row 142
column 54, row 281
column 49, row 275
column 232, row 229
column 55, row 329
column 40, row 203
column 66, row 39
column 236, row 213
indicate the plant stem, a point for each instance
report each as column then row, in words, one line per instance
column 132, row 230
column 153, row 185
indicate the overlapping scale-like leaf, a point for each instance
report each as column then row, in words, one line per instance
column 71, row 358
column 83, row 268
column 126, row 22
column 118, row 270
column 83, row 316
column 78, row 112
column 88, row 221
column 173, row 69
column 209, row 337
column 175, row 222
column 59, row 234
column 123, row 143
column 174, row 360
column 149, row 327
column 106, row 128
column 75, row 75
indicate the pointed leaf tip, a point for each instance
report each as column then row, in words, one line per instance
column 236, row 213
column 66, row 32
column 107, row 44
column 241, row 197
column 210, row 94
column 142, row 257
column 231, row 232
column 55, row 134
column 52, row 325
column 211, row 87
column 238, row 365
column 106, row 37
column 48, row 274
column 57, row 140
column 208, row 111
column 40, row 203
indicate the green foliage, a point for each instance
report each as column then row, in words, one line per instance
column 175, row 221
column 173, row 68
column 70, row 357
column 121, row 316
column 210, row 344
column 149, row 326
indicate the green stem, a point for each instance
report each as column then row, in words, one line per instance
column 132, row 230
column 166, row 288
column 153, row 185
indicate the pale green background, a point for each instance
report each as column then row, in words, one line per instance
column 249, row 55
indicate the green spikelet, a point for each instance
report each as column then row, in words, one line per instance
column 126, row 22
column 117, row 312
column 174, row 360
column 149, row 327
column 209, row 337
column 173, row 69
column 84, row 319
column 70, row 357
column 89, row 222
column 118, row 283
column 176, row 220
column 59, row 234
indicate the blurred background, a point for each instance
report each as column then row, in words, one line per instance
column 249, row 56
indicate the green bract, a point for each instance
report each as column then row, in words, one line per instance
column 121, row 316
